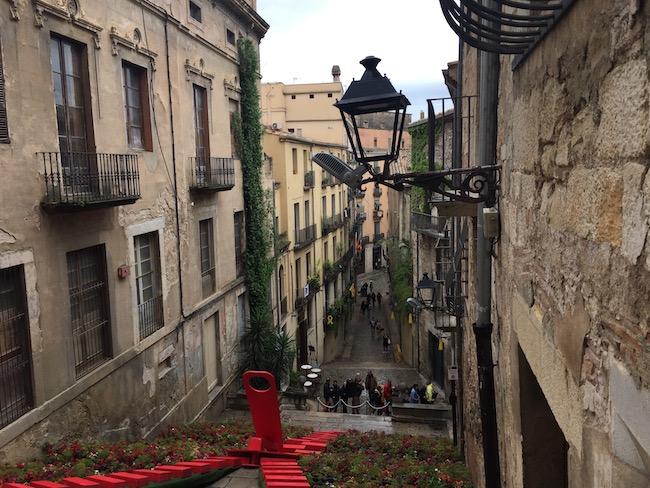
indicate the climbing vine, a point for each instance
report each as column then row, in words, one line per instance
column 262, row 348
column 420, row 163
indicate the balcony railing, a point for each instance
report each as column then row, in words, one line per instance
column 151, row 316
column 361, row 216
column 377, row 237
column 208, row 282
column 365, row 240
column 305, row 236
column 309, row 180
column 283, row 241
column 376, row 192
column 359, row 194
column 212, row 174
column 327, row 180
column 377, row 214
column 83, row 180
column 431, row 225
column 332, row 223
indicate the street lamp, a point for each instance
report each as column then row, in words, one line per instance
column 375, row 94
column 426, row 290
column 372, row 94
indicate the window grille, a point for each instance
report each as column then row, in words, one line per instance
column 148, row 283
column 91, row 333
column 16, row 396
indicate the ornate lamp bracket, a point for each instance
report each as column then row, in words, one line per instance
column 471, row 185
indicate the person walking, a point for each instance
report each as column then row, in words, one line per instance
column 379, row 299
column 374, row 298
column 344, row 396
column 386, row 342
column 357, row 389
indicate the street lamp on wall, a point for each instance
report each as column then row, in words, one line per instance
column 375, row 94
column 426, row 290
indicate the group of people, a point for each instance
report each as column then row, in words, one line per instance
column 370, row 298
column 349, row 395
column 425, row 394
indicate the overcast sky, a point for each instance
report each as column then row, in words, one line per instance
column 308, row 37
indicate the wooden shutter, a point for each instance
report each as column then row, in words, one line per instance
column 4, row 128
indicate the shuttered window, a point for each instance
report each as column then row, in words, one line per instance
column 4, row 127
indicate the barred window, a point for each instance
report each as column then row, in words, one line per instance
column 148, row 283
column 16, row 397
column 91, row 326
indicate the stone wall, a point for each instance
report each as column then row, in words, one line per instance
column 572, row 271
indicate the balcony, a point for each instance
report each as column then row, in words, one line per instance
column 309, row 180
column 330, row 224
column 283, row 242
column 365, row 240
column 327, row 180
column 430, row 225
column 377, row 237
column 361, row 216
column 360, row 195
column 305, row 236
column 77, row 181
column 377, row 215
column 377, row 191
column 303, row 299
column 212, row 174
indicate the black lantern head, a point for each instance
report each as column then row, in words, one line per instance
column 373, row 94
column 426, row 289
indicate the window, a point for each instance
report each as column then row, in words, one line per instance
column 293, row 97
column 206, row 245
column 294, row 160
column 69, row 76
column 16, row 397
column 230, row 37
column 234, row 110
column 201, row 132
column 91, row 326
column 148, row 283
column 240, row 242
column 374, row 142
column 136, row 106
column 308, row 264
column 4, row 126
column 329, row 95
column 333, row 205
column 311, row 95
column 195, row 11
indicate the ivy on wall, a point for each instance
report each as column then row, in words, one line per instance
column 420, row 163
column 262, row 348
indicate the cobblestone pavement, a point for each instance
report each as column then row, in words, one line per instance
column 362, row 352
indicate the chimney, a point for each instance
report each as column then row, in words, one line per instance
column 336, row 73
column 421, row 114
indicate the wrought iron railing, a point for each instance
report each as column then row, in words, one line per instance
column 305, row 236
column 212, row 174
column 309, row 180
column 431, row 225
column 151, row 316
column 208, row 282
column 283, row 241
column 79, row 179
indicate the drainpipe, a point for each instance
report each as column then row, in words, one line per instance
column 173, row 141
column 489, row 78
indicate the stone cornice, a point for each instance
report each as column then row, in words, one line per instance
column 41, row 8
column 117, row 40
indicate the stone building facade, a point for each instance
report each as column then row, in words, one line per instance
column 122, row 296
column 314, row 250
column 570, row 272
